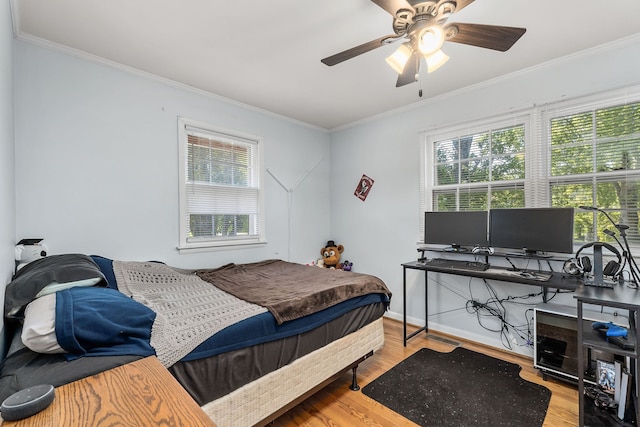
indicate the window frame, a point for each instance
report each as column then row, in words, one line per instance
column 428, row 161
column 588, row 105
column 538, row 179
column 228, row 242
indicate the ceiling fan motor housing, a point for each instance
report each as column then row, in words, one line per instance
column 425, row 14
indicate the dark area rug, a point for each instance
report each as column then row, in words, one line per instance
column 460, row 388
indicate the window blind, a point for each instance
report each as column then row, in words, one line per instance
column 221, row 202
column 582, row 152
column 475, row 166
column 475, row 171
column 595, row 161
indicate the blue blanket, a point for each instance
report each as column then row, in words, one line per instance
column 100, row 322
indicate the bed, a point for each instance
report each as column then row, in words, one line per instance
column 247, row 341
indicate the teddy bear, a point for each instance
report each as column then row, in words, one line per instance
column 331, row 255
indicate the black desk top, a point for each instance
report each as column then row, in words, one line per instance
column 557, row 280
column 498, row 253
column 621, row 296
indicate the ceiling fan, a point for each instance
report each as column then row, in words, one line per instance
column 424, row 25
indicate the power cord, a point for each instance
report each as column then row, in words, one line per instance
column 511, row 335
column 494, row 308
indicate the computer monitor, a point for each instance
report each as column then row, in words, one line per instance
column 532, row 230
column 460, row 230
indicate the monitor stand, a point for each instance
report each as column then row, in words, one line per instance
column 528, row 254
column 535, row 254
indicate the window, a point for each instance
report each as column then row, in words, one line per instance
column 583, row 152
column 595, row 161
column 220, row 193
column 474, row 172
column 475, row 167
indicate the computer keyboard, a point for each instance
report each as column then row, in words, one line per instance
column 455, row 264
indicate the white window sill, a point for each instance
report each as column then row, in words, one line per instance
column 215, row 247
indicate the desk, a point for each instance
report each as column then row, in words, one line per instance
column 556, row 281
column 141, row 393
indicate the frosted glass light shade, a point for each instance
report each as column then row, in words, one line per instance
column 398, row 59
column 436, row 60
column 431, row 40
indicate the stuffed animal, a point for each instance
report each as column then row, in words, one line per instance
column 347, row 265
column 331, row 255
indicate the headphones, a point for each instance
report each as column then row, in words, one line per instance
column 482, row 250
column 581, row 265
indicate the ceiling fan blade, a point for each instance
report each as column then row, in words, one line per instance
column 487, row 36
column 408, row 75
column 358, row 50
column 392, row 6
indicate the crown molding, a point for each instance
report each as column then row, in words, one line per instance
column 47, row 44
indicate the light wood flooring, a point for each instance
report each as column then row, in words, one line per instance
column 337, row 406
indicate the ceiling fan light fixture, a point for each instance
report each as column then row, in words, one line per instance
column 398, row 59
column 436, row 60
column 430, row 40
column 423, row 26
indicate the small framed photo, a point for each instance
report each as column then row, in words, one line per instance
column 606, row 376
column 363, row 188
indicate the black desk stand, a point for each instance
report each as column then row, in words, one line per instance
column 414, row 266
column 556, row 281
column 620, row 296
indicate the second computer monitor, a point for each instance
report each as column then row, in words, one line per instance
column 532, row 230
column 461, row 230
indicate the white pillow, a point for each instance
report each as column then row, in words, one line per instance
column 54, row 287
column 39, row 327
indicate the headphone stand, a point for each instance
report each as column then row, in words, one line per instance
column 598, row 278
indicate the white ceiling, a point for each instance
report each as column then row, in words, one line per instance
column 267, row 53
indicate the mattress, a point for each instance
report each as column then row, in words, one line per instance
column 230, row 370
column 263, row 327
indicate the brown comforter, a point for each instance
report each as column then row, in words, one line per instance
column 290, row 290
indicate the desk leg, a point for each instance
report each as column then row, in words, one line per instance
column 404, row 308
column 404, row 305
column 581, row 367
column 426, row 301
column 633, row 317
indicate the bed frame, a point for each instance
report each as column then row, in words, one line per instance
column 265, row 399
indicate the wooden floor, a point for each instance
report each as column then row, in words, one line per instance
column 338, row 406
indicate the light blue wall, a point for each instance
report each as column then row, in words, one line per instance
column 381, row 233
column 7, row 180
column 97, row 165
